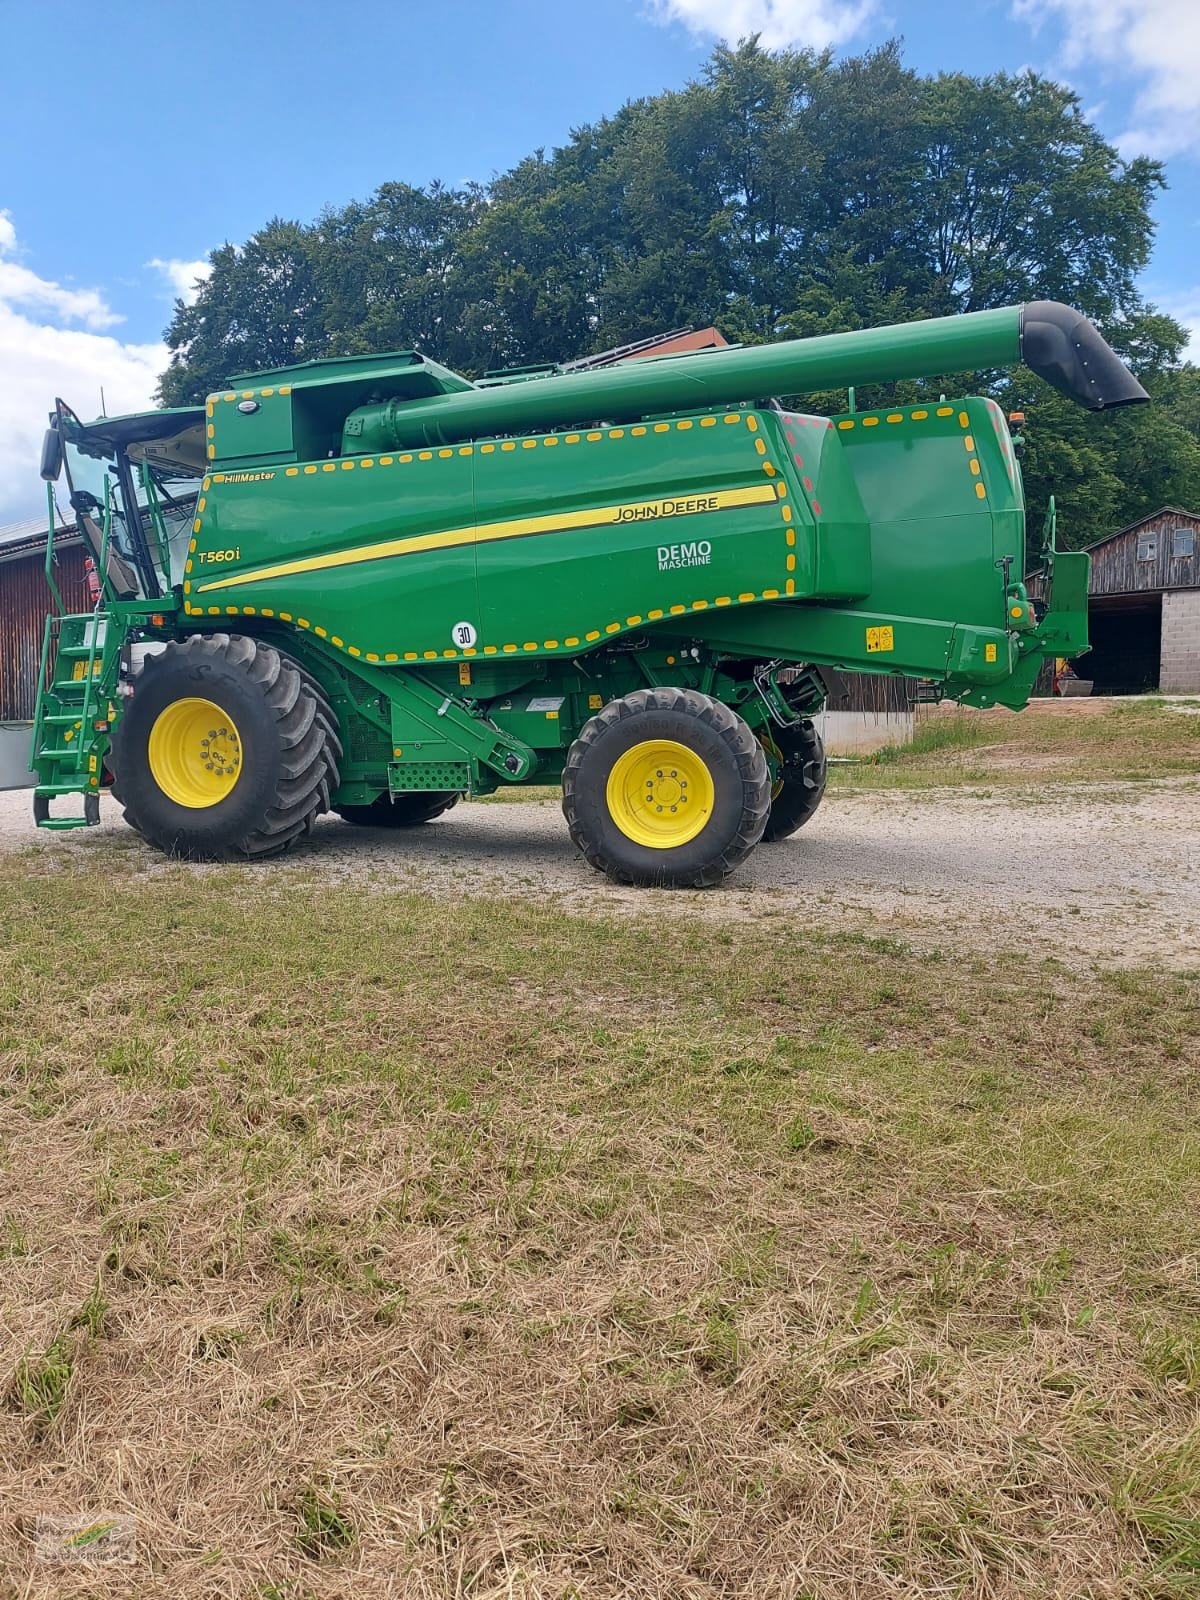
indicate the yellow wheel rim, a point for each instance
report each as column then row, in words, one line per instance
column 776, row 755
column 660, row 794
column 195, row 753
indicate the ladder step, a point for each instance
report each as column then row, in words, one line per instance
column 47, row 790
column 57, row 755
column 62, row 718
column 41, row 808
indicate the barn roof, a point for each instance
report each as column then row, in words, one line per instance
column 1152, row 516
column 28, row 537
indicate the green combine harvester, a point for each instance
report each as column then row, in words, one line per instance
column 371, row 585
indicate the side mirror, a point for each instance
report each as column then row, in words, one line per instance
column 52, row 453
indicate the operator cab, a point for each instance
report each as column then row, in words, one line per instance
column 132, row 484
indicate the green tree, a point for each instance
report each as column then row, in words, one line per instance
column 261, row 307
column 781, row 194
column 388, row 270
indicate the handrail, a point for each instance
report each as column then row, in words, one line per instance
column 85, row 712
column 158, row 524
column 53, row 587
column 40, row 709
column 105, row 536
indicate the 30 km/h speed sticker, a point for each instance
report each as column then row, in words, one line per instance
column 463, row 635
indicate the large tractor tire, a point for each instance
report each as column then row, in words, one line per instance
column 227, row 750
column 666, row 787
column 799, row 783
column 402, row 811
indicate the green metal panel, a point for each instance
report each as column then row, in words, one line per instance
column 534, row 546
column 584, row 536
column 377, row 555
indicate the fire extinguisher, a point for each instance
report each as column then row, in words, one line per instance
column 92, row 579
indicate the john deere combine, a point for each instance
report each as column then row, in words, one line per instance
column 372, row 585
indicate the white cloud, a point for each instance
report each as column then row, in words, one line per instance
column 184, row 277
column 1184, row 306
column 20, row 286
column 42, row 356
column 781, row 23
column 1155, row 44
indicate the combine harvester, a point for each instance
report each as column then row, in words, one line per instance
column 370, row 584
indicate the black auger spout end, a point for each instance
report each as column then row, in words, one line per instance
column 1064, row 348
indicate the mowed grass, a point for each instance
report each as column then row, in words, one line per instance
column 362, row 1244
column 1102, row 743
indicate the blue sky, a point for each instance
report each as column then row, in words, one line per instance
column 135, row 137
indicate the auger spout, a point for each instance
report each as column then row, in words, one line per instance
column 1058, row 344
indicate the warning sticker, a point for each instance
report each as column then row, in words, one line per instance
column 879, row 639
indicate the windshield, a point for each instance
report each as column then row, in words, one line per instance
column 147, row 540
column 170, row 514
column 94, row 496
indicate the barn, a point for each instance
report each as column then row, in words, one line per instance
column 1144, row 607
column 24, row 602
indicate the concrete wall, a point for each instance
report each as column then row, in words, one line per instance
column 1180, row 672
column 863, row 732
column 15, row 740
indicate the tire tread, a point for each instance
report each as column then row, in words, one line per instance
column 752, row 765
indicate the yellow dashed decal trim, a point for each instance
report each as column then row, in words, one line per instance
column 670, row 507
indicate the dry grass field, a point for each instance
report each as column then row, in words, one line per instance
column 1055, row 742
column 357, row 1242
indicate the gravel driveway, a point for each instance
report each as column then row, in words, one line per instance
column 1066, row 869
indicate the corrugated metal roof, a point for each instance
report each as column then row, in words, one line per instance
column 28, row 537
column 18, row 532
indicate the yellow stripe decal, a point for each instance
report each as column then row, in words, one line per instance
column 672, row 506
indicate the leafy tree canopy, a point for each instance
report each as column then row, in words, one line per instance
column 782, row 194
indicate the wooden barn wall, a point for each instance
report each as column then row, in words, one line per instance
column 24, row 601
column 872, row 694
column 1117, row 570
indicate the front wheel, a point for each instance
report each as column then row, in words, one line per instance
column 226, row 750
column 799, row 784
column 666, row 787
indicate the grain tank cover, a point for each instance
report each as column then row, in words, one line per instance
column 401, row 370
column 304, row 412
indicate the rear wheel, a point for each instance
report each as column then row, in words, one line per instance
column 225, row 750
column 799, row 757
column 667, row 787
column 400, row 811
